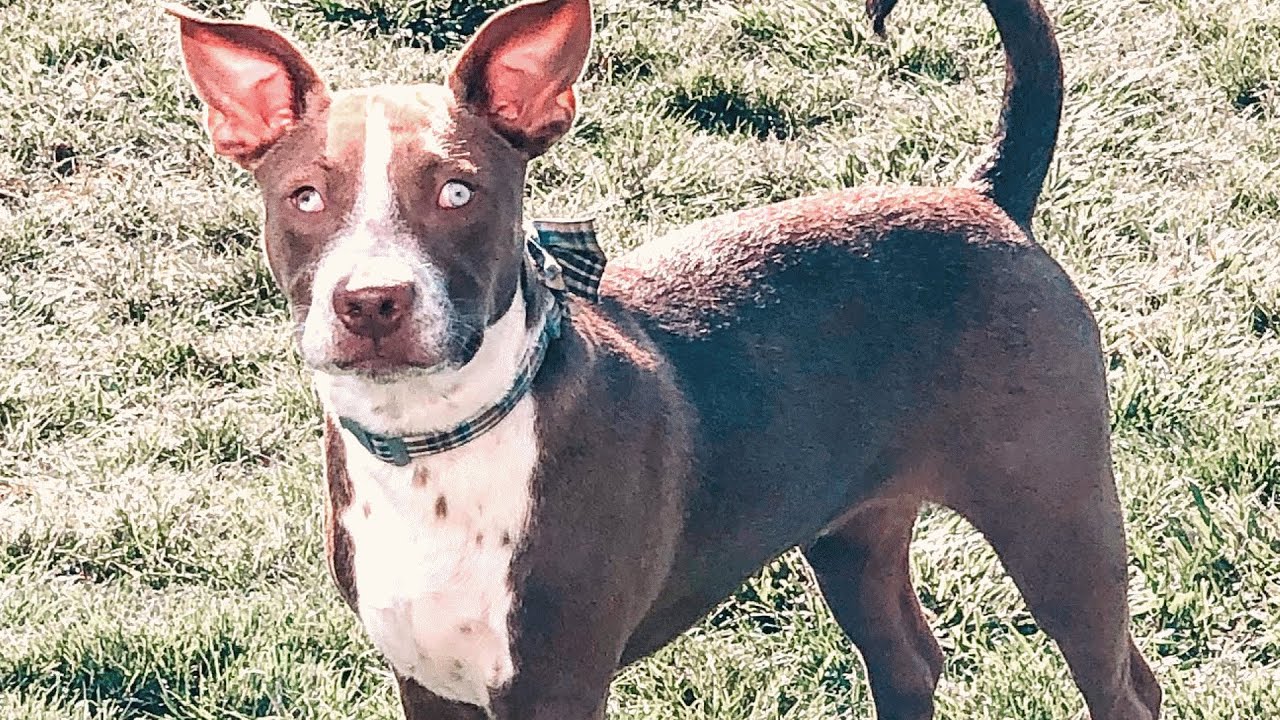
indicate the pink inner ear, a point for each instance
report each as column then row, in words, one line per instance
column 254, row 126
column 525, row 83
column 250, row 96
column 534, row 54
column 520, row 68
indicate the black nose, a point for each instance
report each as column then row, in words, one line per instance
column 373, row 312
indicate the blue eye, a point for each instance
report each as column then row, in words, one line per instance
column 308, row 200
column 454, row 195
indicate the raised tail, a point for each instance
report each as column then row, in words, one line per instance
column 1012, row 172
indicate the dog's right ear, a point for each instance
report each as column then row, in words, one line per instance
column 254, row 83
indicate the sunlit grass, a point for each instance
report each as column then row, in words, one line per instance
column 160, row 547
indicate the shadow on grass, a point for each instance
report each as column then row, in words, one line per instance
column 718, row 106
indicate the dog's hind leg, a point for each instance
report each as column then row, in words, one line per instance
column 1057, row 528
column 1028, row 463
column 862, row 567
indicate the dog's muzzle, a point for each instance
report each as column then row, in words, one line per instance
column 566, row 258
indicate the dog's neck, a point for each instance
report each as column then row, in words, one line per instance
column 439, row 400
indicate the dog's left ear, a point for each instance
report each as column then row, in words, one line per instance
column 519, row 70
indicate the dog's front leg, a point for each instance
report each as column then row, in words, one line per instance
column 576, row 703
column 569, row 633
column 531, row 700
column 421, row 704
column 551, row 687
column 557, row 708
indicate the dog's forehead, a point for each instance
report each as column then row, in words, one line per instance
column 418, row 120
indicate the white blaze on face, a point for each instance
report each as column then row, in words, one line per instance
column 374, row 250
column 432, row 542
column 375, row 205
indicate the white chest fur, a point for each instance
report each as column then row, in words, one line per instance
column 433, row 544
column 433, row 541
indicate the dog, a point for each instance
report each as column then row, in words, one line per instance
column 539, row 471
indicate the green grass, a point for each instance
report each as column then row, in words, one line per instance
column 159, row 469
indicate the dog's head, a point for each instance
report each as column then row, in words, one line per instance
column 393, row 213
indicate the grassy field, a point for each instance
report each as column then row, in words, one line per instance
column 159, row 469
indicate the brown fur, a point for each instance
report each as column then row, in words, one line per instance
column 337, row 543
column 807, row 373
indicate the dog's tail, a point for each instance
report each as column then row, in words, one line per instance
column 1012, row 172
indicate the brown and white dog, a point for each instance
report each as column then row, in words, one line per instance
column 806, row 373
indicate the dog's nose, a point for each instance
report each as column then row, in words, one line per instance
column 373, row 312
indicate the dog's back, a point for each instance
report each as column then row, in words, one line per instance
column 864, row 351
column 824, row 345
column 813, row 335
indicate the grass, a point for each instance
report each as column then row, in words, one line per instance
column 159, row 471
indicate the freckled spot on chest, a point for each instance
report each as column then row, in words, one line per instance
column 434, row 568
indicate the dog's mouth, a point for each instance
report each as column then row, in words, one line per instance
column 394, row 358
column 376, row 366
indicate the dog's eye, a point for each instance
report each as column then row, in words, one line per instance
column 454, row 195
column 308, row 200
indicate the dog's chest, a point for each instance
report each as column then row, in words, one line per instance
column 432, row 549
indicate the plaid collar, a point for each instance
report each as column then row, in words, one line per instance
column 564, row 256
